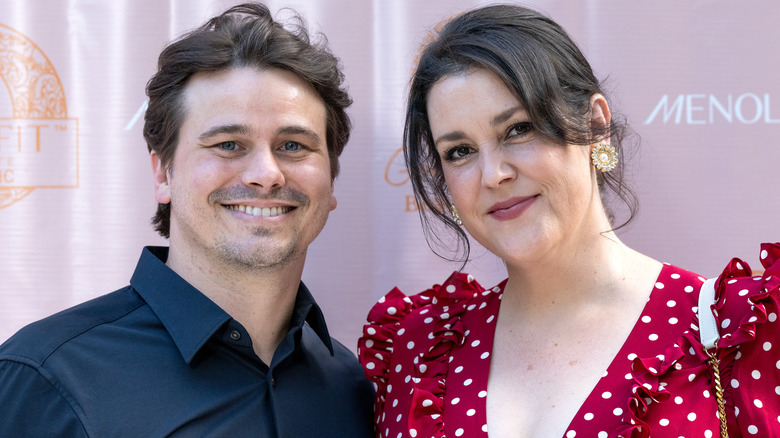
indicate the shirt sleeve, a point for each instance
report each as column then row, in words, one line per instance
column 30, row 405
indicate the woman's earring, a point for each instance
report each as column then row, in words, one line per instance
column 455, row 216
column 604, row 157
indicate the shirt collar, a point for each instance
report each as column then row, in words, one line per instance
column 190, row 317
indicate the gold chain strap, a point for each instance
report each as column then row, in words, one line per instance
column 724, row 432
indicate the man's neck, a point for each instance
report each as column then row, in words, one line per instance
column 261, row 299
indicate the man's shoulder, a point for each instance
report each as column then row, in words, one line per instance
column 35, row 342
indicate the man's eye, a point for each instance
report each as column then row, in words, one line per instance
column 291, row 146
column 228, row 146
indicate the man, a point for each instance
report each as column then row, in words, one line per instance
column 216, row 335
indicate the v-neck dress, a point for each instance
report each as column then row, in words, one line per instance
column 429, row 355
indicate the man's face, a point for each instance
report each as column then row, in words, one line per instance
column 250, row 181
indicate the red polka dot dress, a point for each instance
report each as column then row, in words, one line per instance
column 429, row 355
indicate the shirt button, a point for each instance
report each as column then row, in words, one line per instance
column 273, row 382
column 235, row 335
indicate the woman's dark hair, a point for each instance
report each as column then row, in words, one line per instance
column 539, row 62
column 243, row 36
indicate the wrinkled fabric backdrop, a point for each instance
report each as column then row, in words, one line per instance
column 696, row 79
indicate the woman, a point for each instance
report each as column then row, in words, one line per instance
column 509, row 136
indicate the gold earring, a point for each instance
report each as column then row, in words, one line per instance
column 604, row 157
column 455, row 216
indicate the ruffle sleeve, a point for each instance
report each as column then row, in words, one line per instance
column 442, row 306
column 744, row 304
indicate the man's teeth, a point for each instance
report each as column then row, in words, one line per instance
column 257, row 211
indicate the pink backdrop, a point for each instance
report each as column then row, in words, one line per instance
column 698, row 81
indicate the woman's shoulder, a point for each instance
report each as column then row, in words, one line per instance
column 396, row 313
column 436, row 301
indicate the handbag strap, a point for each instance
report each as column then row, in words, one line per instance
column 708, row 328
column 708, row 332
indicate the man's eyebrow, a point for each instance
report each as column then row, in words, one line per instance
column 299, row 130
column 224, row 129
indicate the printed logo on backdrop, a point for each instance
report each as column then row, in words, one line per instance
column 708, row 109
column 38, row 141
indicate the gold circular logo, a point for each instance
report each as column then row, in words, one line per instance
column 34, row 88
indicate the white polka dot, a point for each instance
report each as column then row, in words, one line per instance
column 370, row 365
column 692, row 416
column 659, row 285
column 739, row 265
column 671, row 303
column 369, row 343
column 492, row 317
column 706, row 394
column 483, row 305
column 410, row 345
column 646, row 319
column 743, row 292
column 397, row 419
column 653, row 337
column 663, row 422
column 725, row 323
column 756, row 374
column 772, row 317
column 617, row 412
column 777, row 390
column 734, row 383
column 459, row 369
column 764, row 254
column 423, row 368
column 707, row 433
column 413, row 432
column 467, row 382
column 484, row 428
column 691, row 377
column 606, row 395
column 398, row 368
column 402, row 331
column 427, row 402
column 428, row 320
column 688, row 289
column 631, row 356
column 752, row 429
column 470, row 278
column 471, row 412
column 482, row 394
column 395, row 402
column 678, row 400
column 588, row 416
column 459, row 432
column 475, row 343
column 571, row 434
column 371, row 331
column 451, row 288
column 673, row 321
column 485, row 355
column 767, row 346
column 444, row 315
column 392, row 310
column 471, row 307
column 455, row 401
column 759, row 404
column 603, row 434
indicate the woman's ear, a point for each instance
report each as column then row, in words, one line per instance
column 599, row 113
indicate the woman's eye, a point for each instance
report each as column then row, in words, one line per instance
column 519, row 129
column 291, row 146
column 228, row 146
column 457, row 153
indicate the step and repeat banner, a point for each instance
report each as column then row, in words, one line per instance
column 697, row 80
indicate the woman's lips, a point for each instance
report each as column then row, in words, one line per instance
column 511, row 208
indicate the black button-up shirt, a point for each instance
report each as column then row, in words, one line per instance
column 158, row 358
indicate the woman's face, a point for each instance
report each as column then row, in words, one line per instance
column 518, row 194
